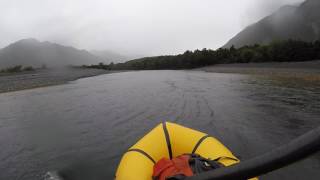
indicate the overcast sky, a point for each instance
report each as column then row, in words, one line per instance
column 148, row 27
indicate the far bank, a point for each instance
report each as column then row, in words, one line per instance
column 308, row 70
column 45, row 77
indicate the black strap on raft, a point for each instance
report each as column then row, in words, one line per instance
column 298, row 149
column 198, row 143
column 143, row 153
column 166, row 134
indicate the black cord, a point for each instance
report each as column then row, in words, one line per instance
column 296, row 150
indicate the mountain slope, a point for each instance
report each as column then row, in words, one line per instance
column 111, row 56
column 289, row 22
column 30, row 52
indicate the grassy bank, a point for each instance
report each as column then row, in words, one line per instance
column 306, row 71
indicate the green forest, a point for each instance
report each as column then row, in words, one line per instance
column 277, row 51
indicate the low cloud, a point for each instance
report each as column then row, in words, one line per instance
column 136, row 26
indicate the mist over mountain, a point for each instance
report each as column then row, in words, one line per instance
column 300, row 22
column 111, row 56
column 31, row 52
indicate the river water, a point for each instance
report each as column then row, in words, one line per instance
column 82, row 128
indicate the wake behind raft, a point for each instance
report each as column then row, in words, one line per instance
column 169, row 142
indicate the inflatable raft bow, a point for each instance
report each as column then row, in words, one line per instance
column 170, row 140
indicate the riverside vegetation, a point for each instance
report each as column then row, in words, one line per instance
column 277, row 51
column 16, row 69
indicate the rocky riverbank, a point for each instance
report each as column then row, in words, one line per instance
column 45, row 77
column 309, row 70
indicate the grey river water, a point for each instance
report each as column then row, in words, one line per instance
column 82, row 128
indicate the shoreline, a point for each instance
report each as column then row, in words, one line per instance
column 308, row 70
column 45, row 77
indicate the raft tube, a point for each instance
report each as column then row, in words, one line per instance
column 170, row 140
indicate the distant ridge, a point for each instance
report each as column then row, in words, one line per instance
column 31, row 52
column 289, row 22
column 111, row 56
